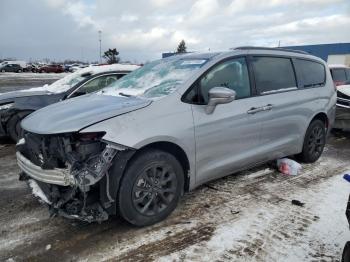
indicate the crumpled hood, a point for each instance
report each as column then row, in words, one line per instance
column 10, row 96
column 345, row 89
column 77, row 113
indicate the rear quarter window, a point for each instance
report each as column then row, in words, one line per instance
column 273, row 74
column 310, row 73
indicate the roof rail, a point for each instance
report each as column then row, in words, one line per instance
column 270, row 48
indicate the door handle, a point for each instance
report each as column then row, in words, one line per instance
column 254, row 110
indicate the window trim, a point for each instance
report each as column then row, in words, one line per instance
column 282, row 90
column 310, row 60
column 89, row 80
column 193, row 85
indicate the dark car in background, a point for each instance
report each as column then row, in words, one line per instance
column 11, row 68
column 340, row 74
column 51, row 69
column 14, row 106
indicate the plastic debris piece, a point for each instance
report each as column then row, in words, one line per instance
column 288, row 166
column 297, row 203
column 347, row 177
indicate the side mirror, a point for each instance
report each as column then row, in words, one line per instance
column 219, row 95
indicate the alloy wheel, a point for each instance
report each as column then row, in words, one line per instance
column 154, row 189
column 316, row 141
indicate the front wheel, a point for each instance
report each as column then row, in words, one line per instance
column 150, row 188
column 14, row 125
column 314, row 142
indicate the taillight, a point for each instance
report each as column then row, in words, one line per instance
column 339, row 83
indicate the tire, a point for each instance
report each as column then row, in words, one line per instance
column 19, row 71
column 3, row 71
column 143, row 199
column 346, row 252
column 314, row 142
column 14, row 125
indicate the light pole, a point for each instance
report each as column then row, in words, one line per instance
column 99, row 39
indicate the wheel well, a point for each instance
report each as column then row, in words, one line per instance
column 177, row 152
column 323, row 117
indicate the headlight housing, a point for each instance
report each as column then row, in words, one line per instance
column 6, row 106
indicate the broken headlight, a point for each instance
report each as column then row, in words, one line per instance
column 6, row 106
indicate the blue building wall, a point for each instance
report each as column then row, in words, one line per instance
column 324, row 50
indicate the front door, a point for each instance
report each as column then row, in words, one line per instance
column 227, row 139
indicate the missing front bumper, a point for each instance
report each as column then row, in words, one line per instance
column 55, row 176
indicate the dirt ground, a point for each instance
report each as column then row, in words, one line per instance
column 243, row 217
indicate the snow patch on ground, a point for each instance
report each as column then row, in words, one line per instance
column 317, row 231
column 36, row 190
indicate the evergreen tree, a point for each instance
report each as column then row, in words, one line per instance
column 181, row 48
column 111, row 55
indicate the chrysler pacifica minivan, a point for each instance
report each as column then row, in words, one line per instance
column 136, row 146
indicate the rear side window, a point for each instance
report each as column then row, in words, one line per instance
column 338, row 74
column 273, row 74
column 310, row 74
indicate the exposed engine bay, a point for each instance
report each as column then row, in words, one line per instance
column 77, row 174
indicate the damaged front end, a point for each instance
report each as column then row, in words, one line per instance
column 76, row 174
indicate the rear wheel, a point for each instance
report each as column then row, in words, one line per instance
column 3, row 71
column 314, row 142
column 14, row 125
column 151, row 188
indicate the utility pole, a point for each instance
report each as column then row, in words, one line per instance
column 279, row 43
column 99, row 39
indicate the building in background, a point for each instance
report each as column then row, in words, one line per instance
column 338, row 53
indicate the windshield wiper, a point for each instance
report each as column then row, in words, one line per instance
column 123, row 94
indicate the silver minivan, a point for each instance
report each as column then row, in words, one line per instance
column 136, row 146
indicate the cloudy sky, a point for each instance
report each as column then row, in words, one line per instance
column 141, row 30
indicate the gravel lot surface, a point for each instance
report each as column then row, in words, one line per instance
column 243, row 217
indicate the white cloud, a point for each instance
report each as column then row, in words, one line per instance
column 143, row 29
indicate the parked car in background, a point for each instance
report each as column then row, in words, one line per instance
column 136, row 146
column 53, row 68
column 14, row 106
column 11, row 68
column 23, row 64
column 342, row 119
column 31, row 67
column 76, row 67
column 340, row 74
